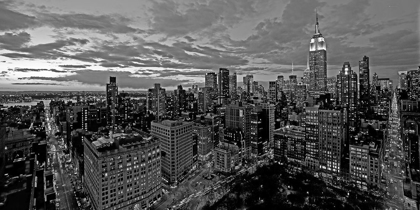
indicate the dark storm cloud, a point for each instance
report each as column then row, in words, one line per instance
column 124, row 79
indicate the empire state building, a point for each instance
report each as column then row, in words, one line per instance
column 317, row 61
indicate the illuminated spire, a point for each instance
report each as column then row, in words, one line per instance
column 292, row 67
column 317, row 24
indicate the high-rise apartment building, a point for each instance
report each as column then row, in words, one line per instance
column 156, row 100
column 122, row 171
column 332, row 86
column 364, row 82
column 410, row 123
column 385, row 84
column 223, row 85
column 413, row 77
column 403, row 80
column 248, row 81
column 205, row 139
column 269, row 122
column 176, row 143
column 90, row 118
column 233, row 80
column 312, row 138
column 365, row 163
column 331, row 142
column 272, row 91
column 347, row 95
column 124, row 108
column 239, row 116
column 300, row 94
column 112, row 101
column 179, row 100
column 280, row 86
column 317, row 61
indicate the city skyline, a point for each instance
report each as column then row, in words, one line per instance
column 76, row 46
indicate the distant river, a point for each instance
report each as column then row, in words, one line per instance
column 32, row 103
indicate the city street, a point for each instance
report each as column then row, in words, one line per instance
column 394, row 164
column 64, row 189
column 63, row 181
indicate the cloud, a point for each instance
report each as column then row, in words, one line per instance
column 12, row 20
column 103, row 23
column 13, row 41
column 281, row 41
column 171, row 19
column 38, row 70
column 34, row 83
column 16, row 55
column 351, row 19
column 190, row 39
column 124, row 79
column 74, row 66
column 46, row 51
column 171, row 73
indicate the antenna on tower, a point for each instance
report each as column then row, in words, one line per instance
column 316, row 24
column 292, row 67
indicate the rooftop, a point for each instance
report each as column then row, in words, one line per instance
column 289, row 128
column 121, row 140
column 172, row 123
column 15, row 134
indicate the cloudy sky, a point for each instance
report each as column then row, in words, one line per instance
column 78, row 44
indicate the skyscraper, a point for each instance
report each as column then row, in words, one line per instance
column 177, row 148
column 347, row 94
column 223, row 85
column 247, row 84
column 280, row 86
column 272, row 90
column 238, row 116
column 179, row 102
column 317, row 61
column 156, row 100
column 233, row 86
column 312, row 138
column 364, row 83
column 111, row 100
column 211, row 80
column 331, row 141
column 403, row 80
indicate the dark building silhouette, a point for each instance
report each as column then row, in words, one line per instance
column 223, row 85
column 112, row 100
column 364, row 82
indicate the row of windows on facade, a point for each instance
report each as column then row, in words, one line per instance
column 118, row 202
